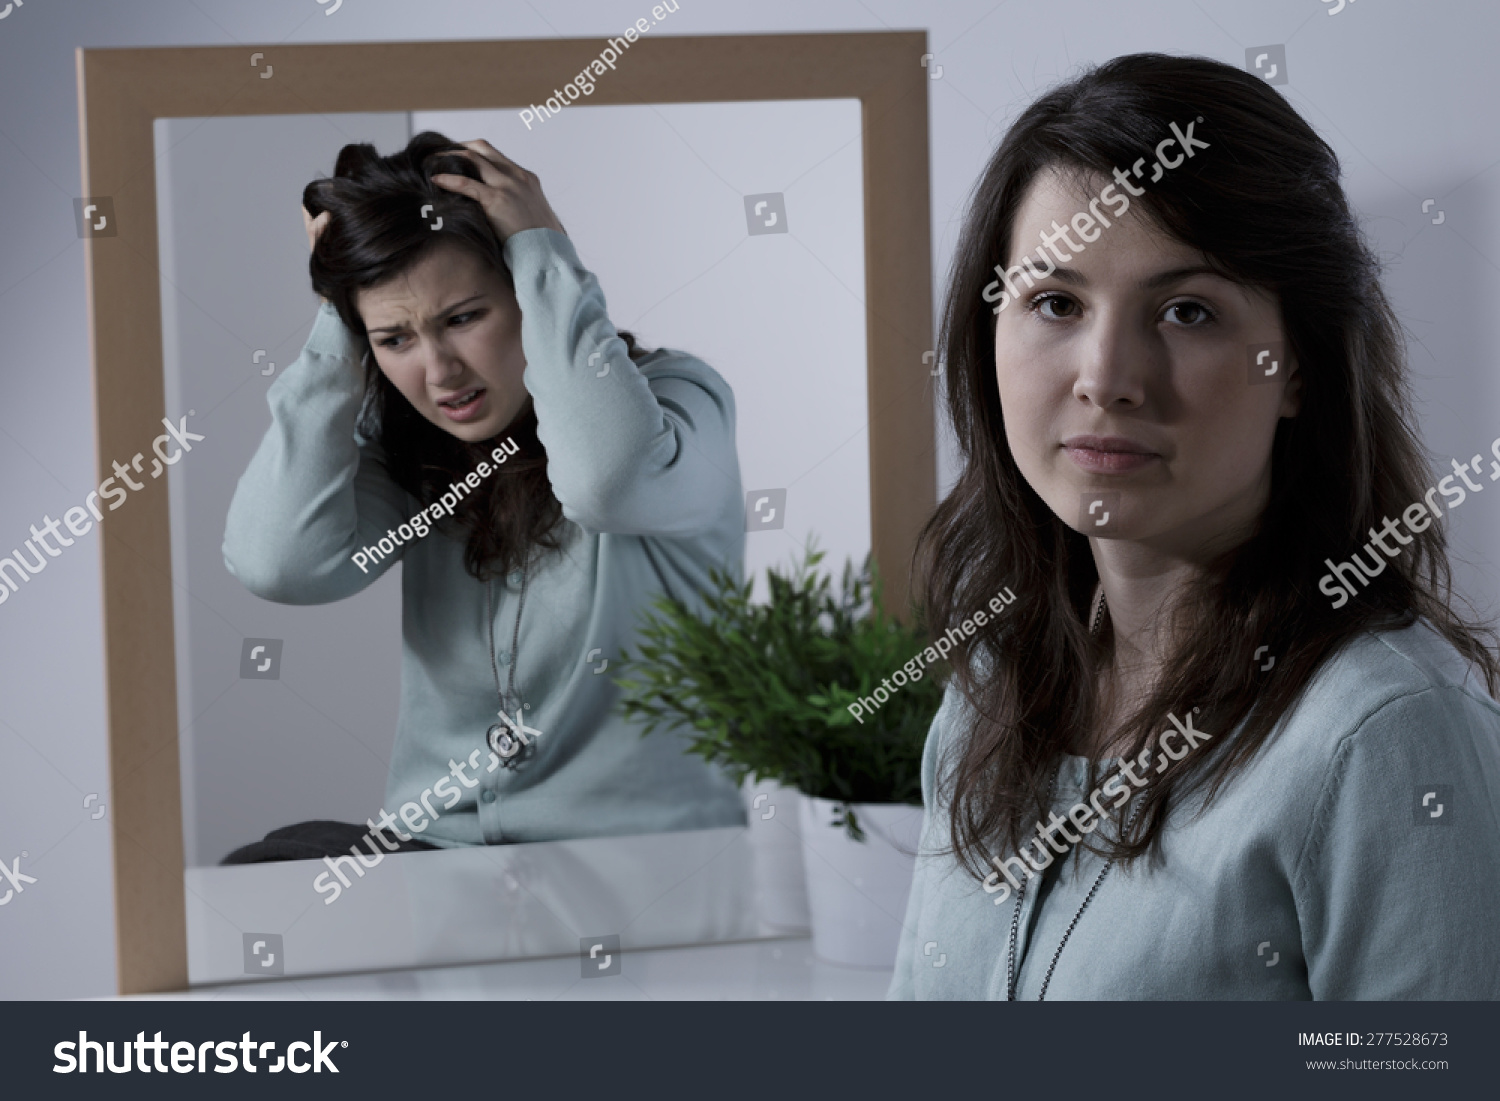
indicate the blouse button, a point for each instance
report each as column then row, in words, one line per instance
column 487, row 797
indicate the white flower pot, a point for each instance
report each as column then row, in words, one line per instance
column 775, row 839
column 857, row 890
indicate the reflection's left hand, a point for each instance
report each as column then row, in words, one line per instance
column 510, row 195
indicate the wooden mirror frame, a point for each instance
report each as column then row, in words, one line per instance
column 122, row 91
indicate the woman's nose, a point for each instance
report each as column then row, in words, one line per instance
column 443, row 364
column 1113, row 363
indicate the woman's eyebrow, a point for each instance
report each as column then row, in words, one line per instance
column 1176, row 275
column 463, row 302
column 1160, row 279
column 445, row 312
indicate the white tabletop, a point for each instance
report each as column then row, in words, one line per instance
column 764, row 970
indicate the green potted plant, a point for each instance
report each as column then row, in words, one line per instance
column 765, row 690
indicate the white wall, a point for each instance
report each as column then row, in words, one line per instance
column 1403, row 92
column 316, row 741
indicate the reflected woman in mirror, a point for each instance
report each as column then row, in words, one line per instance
column 463, row 405
column 1232, row 741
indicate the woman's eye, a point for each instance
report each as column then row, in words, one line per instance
column 389, row 342
column 1045, row 303
column 1191, row 314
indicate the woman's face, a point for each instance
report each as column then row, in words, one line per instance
column 447, row 333
column 1125, row 380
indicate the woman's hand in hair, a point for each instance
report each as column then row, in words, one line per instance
column 510, row 195
column 315, row 226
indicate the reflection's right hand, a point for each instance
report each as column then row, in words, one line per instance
column 314, row 227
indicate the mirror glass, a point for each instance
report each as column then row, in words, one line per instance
column 733, row 231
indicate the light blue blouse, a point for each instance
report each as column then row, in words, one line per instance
column 643, row 460
column 1357, row 857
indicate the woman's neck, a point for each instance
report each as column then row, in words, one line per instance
column 1142, row 596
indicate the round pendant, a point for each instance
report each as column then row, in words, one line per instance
column 505, row 744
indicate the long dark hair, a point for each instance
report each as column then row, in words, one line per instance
column 375, row 234
column 1264, row 203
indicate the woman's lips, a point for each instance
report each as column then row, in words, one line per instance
column 1108, row 454
column 471, row 409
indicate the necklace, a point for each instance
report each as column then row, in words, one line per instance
column 500, row 736
column 1015, row 917
column 1099, row 610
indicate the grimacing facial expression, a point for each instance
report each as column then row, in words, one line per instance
column 447, row 333
column 1126, row 372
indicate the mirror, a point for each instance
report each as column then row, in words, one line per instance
column 287, row 713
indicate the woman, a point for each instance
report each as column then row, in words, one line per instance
column 539, row 477
column 1176, row 768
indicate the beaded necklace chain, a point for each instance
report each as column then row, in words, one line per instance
column 500, row 738
column 1015, row 918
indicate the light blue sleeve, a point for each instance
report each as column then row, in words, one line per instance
column 313, row 494
column 1398, row 884
column 934, row 834
column 630, row 451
